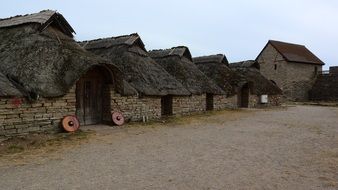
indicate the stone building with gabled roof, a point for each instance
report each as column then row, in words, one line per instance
column 292, row 67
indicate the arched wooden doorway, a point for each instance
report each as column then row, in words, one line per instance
column 244, row 96
column 90, row 96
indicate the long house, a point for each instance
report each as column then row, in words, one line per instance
column 178, row 62
column 152, row 83
column 247, row 83
column 46, row 75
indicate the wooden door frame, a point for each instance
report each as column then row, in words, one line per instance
column 105, row 78
column 167, row 105
column 244, row 101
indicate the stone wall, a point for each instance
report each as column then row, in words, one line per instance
column 273, row 66
column 18, row 116
column 300, row 79
column 295, row 79
column 254, row 101
column 134, row 108
column 273, row 100
column 222, row 102
column 186, row 105
column 325, row 88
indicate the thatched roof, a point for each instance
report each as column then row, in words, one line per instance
column 43, row 19
column 180, row 51
column 258, row 83
column 294, row 53
column 218, row 58
column 216, row 68
column 48, row 63
column 7, row 88
column 178, row 62
column 247, row 64
column 140, row 70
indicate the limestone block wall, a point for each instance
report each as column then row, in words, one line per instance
column 253, row 101
column 18, row 116
column 300, row 79
column 134, row 108
column 273, row 100
column 185, row 105
column 325, row 88
column 222, row 102
column 273, row 66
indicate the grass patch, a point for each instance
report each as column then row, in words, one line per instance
column 36, row 141
column 188, row 119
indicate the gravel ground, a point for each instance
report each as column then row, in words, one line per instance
column 290, row 148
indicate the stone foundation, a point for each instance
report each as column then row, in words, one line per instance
column 135, row 108
column 222, row 102
column 18, row 116
column 273, row 100
column 186, row 105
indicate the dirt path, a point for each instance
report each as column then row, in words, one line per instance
column 293, row 148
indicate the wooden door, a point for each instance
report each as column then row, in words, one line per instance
column 210, row 102
column 167, row 105
column 244, row 100
column 89, row 98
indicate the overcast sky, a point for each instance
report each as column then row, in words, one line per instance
column 237, row 28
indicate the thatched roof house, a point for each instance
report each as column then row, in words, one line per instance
column 217, row 68
column 249, row 70
column 140, row 70
column 39, row 57
column 178, row 62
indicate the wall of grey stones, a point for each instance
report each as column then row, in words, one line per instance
column 186, row 105
column 222, row 102
column 18, row 116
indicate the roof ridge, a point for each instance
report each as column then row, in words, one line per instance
column 287, row 43
column 295, row 52
column 112, row 37
column 167, row 49
column 218, row 54
column 16, row 16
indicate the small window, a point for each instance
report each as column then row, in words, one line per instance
column 316, row 70
column 275, row 66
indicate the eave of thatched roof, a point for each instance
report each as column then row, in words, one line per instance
column 48, row 63
column 180, row 65
column 247, row 64
column 7, row 88
column 140, row 70
column 180, row 51
column 129, row 40
column 43, row 19
column 259, row 84
column 216, row 68
column 218, row 58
